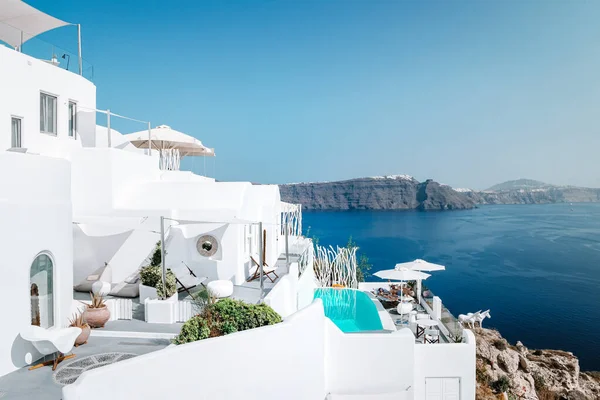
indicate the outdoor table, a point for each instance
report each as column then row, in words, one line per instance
column 424, row 323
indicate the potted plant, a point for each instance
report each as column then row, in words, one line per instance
column 96, row 313
column 163, row 308
column 78, row 322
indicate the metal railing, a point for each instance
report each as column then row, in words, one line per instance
column 58, row 56
column 453, row 328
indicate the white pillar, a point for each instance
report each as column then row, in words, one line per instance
column 437, row 308
column 79, row 49
column 108, row 127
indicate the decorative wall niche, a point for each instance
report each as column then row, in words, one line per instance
column 207, row 245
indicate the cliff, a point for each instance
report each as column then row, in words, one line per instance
column 529, row 374
column 396, row 192
column 402, row 192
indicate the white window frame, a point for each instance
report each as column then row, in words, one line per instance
column 54, row 128
column 13, row 117
column 73, row 133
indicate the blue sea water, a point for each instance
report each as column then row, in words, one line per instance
column 537, row 267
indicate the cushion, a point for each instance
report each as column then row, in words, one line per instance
column 127, row 290
column 133, row 278
column 220, row 288
column 103, row 273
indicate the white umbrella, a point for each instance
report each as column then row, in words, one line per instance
column 421, row 265
column 401, row 274
column 171, row 144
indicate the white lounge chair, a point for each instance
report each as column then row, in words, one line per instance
column 57, row 341
column 187, row 279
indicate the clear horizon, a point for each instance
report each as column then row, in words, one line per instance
column 467, row 93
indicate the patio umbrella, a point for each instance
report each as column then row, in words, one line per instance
column 421, row 265
column 401, row 274
column 171, row 144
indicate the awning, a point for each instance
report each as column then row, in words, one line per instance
column 19, row 22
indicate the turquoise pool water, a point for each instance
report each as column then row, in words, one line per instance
column 351, row 310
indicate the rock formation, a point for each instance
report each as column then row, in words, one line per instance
column 529, row 374
column 402, row 192
column 397, row 192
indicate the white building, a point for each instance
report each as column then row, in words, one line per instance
column 70, row 201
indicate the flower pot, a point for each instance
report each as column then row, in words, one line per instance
column 83, row 336
column 96, row 317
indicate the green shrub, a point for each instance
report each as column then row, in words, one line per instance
column 225, row 317
column 156, row 258
column 194, row 329
column 501, row 385
column 151, row 275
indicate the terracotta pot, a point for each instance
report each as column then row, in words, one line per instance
column 96, row 317
column 83, row 336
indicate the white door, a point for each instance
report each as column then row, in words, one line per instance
column 442, row 388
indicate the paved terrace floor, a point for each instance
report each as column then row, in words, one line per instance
column 39, row 384
column 248, row 292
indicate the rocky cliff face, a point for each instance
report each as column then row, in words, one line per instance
column 529, row 374
column 536, row 196
column 378, row 193
column 402, row 192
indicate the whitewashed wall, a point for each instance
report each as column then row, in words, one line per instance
column 307, row 284
column 284, row 361
column 368, row 362
column 455, row 360
column 22, row 78
column 35, row 210
column 283, row 298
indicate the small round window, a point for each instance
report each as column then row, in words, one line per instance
column 207, row 245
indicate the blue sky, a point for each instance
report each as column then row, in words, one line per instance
column 469, row 93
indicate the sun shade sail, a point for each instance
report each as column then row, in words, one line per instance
column 19, row 22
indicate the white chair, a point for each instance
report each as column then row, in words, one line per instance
column 431, row 336
column 423, row 316
column 57, row 341
column 187, row 279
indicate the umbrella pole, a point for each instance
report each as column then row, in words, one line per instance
column 149, row 139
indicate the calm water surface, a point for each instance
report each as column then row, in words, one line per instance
column 537, row 267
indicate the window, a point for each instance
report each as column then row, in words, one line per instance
column 48, row 113
column 73, row 120
column 15, row 139
column 42, row 291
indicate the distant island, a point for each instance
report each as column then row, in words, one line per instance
column 403, row 192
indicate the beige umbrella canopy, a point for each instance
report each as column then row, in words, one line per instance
column 163, row 137
column 171, row 144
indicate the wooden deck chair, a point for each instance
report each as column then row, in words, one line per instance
column 266, row 271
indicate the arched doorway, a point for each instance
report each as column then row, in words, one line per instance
column 42, row 291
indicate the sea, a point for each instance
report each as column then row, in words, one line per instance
column 536, row 267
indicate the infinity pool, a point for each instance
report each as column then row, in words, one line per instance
column 351, row 310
